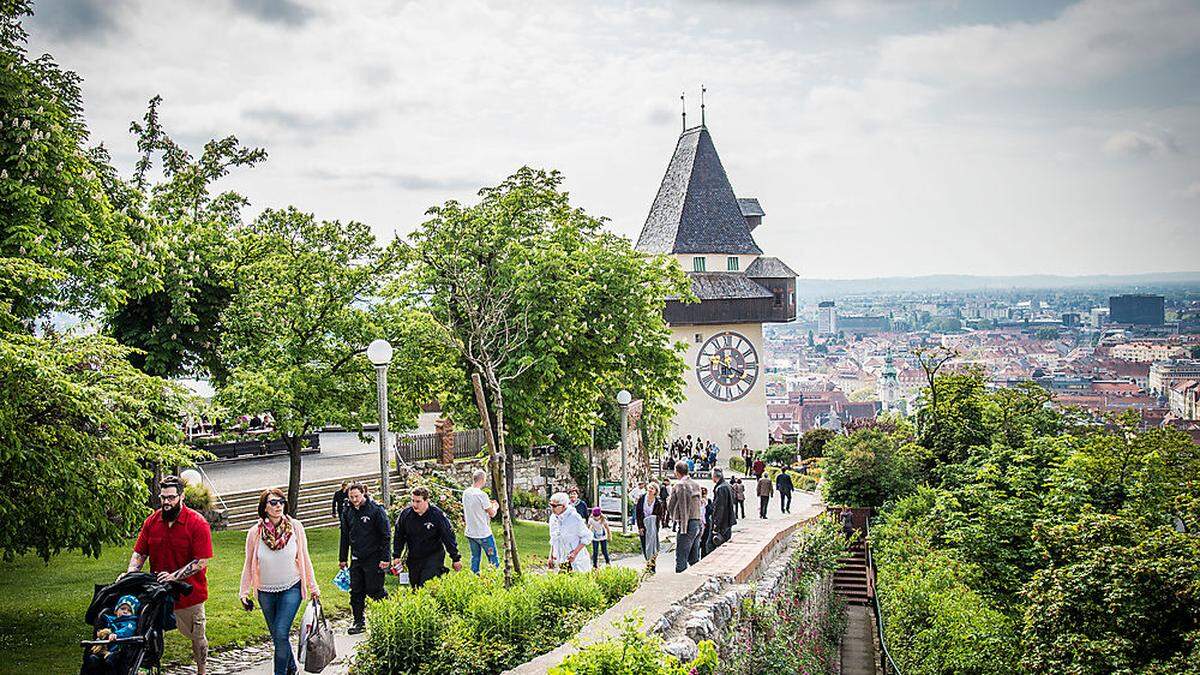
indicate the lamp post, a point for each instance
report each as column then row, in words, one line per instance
column 379, row 352
column 623, row 400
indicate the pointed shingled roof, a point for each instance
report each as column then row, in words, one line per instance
column 695, row 210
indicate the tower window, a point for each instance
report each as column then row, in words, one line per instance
column 732, row 263
column 698, row 263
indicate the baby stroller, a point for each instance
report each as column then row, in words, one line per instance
column 155, row 616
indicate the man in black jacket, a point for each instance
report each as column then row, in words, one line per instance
column 339, row 500
column 723, row 516
column 427, row 533
column 783, row 484
column 365, row 534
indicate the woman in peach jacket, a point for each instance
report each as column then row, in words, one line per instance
column 280, row 571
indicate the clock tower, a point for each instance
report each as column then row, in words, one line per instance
column 697, row 219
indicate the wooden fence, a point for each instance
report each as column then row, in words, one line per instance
column 417, row 447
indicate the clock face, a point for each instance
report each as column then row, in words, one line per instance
column 727, row 366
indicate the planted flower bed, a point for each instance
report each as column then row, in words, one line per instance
column 797, row 630
column 633, row 652
column 463, row 623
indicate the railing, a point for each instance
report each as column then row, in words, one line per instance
column 886, row 661
column 418, row 447
column 258, row 447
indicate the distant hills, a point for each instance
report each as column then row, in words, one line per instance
column 966, row 282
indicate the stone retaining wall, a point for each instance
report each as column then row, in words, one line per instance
column 527, row 472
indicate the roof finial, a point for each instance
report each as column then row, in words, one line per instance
column 683, row 105
column 702, row 90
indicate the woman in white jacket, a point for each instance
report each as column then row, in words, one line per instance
column 569, row 535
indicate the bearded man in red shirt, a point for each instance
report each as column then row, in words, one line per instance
column 178, row 543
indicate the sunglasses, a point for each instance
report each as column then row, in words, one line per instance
column 168, row 498
column 277, row 502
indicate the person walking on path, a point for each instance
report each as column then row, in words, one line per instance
column 760, row 467
column 278, row 568
column 764, row 495
column 339, row 500
column 705, row 541
column 739, row 496
column 426, row 531
column 478, row 511
column 178, row 543
column 783, row 484
column 665, row 495
column 648, row 514
column 687, row 510
column 598, row 524
column 569, row 536
column 579, row 504
column 723, row 516
column 365, row 535
column 635, row 495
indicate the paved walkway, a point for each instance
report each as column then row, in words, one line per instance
column 858, row 645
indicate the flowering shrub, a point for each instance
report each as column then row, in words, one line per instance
column 633, row 652
column 799, row 630
column 467, row 623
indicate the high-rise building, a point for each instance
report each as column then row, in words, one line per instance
column 1138, row 309
column 827, row 318
column 697, row 219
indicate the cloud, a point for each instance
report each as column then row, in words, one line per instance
column 1137, row 144
column 284, row 12
column 1193, row 191
column 297, row 121
column 1089, row 41
column 369, row 178
column 78, row 20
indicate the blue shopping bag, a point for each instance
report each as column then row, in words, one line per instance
column 342, row 580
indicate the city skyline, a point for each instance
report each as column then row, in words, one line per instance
column 882, row 139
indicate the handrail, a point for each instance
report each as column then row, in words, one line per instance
column 887, row 660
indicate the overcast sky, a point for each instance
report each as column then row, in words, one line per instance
column 882, row 137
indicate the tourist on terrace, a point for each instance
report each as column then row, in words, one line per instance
column 687, row 510
column 339, row 500
column 426, row 531
column 478, row 511
column 648, row 514
column 569, row 536
column 598, row 524
column 764, row 495
column 579, row 504
column 759, row 467
column 277, row 567
column 783, row 484
column 365, row 535
column 704, row 542
column 739, row 496
column 665, row 496
column 723, row 516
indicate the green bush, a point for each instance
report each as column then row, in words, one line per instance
column 737, row 464
column 529, row 499
column 633, row 652
column 812, row 442
column 780, row 453
column 199, row 497
column 867, row 468
column 443, row 493
column 616, row 582
column 463, row 623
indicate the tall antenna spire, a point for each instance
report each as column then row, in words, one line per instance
column 702, row 90
column 683, row 105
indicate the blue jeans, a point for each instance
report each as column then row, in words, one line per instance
column 478, row 546
column 279, row 608
column 686, row 552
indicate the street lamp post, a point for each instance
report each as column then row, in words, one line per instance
column 379, row 352
column 623, row 400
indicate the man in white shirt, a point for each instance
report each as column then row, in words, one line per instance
column 478, row 512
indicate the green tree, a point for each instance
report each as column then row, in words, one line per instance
column 298, row 323
column 62, row 244
column 812, row 442
column 175, row 296
column 81, row 431
column 1195, row 351
column 552, row 313
column 867, row 468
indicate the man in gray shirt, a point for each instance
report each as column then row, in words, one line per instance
column 686, row 508
column 478, row 511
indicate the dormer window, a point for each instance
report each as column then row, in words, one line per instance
column 698, row 263
column 732, row 263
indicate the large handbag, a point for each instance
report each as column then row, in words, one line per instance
column 319, row 650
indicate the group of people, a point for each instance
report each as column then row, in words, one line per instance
column 700, row 455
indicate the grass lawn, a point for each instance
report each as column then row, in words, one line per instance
column 42, row 605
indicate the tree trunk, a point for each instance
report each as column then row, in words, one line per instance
column 293, row 493
column 512, row 563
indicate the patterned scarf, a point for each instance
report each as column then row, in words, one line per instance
column 276, row 536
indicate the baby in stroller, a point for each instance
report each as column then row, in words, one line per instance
column 120, row 623
column 129, row 617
